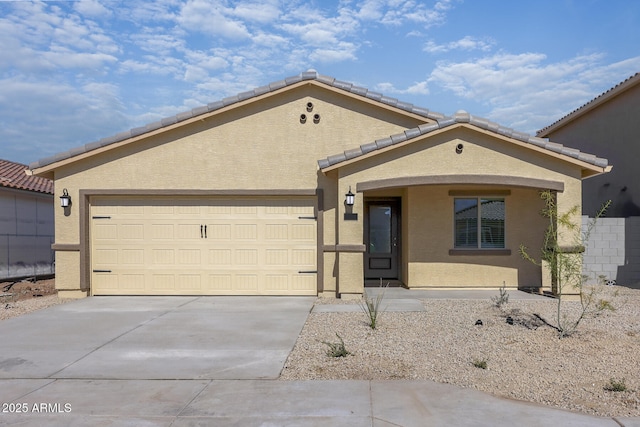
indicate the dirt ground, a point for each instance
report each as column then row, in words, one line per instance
column 14, row 291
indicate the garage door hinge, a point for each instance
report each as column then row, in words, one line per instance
column 308, row 217
column 100, row 217
column 102, row 271
column 308, row 272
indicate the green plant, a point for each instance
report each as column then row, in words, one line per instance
column 502, row 298
column 616, row 385
column 480, row 363
column 565, row 261
column 336, row 349
column 604, row 304
column 371, row 306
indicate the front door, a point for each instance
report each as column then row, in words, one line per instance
column 381, row 239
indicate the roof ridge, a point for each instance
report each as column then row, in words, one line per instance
column 242, row 96
column 461, row 117
column 593, row 102
column 12, row 175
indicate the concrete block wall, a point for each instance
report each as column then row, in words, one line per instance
column 613, row 250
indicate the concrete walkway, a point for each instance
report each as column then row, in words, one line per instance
column 186, row 361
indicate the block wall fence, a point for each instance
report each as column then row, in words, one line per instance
column 613, row 250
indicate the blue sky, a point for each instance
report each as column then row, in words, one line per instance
column 73, row 72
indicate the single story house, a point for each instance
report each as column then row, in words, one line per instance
column 306, row 186
column 26, row 223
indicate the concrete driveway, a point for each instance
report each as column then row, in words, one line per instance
column 188, row 361
column 154, row 338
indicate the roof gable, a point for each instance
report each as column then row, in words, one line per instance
column 12, row 175
column 462, row 118
column 591, row 105
column 235, row 101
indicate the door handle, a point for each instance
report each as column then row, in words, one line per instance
column 205, row 231
column 201, row 231
column 395, row 242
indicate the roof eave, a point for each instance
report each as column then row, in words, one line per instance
column 110, row 143
column 591, row 105
column 588, row 169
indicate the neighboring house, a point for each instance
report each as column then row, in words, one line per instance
column 252, row 195
column 26, row 223
column 610, row 125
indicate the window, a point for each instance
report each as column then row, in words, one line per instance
column 479, row 223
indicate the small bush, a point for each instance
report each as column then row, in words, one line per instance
column 603, row 304
column 616, row 385
column 502, row 298
column 371, row 306
column 336, row 349
column 480, row 363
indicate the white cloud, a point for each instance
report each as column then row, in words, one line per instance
column 466, row 43
column 342, row 52
column 212, row 18
column 262, row 11
column 525, row 90
column 419, row 88
column 400, row 12
column 92, row 8
column 91, row 112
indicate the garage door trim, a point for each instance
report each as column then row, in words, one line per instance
column 85, row 220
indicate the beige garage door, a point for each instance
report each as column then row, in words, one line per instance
column 231, row 246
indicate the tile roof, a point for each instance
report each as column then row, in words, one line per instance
column 441, row 121
column 600, row 99
column 12, row 175
column 205, row 109
column 461, row 117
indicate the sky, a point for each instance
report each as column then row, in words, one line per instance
column 73, row 72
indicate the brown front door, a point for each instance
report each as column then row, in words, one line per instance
column 381, row 239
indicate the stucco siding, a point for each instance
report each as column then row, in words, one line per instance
column 430, row 222
column 482, row 155
column 613, row 131
column 428, row 210
column 264, row 146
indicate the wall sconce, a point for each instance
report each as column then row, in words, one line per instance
column 65, row 199
column 350, row 198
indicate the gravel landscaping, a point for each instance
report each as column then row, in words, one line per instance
column 524, row 361
column 27, row 296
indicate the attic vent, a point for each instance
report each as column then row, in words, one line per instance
column 309, row 106
column 303, row 118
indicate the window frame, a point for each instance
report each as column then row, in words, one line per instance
column 479, row 196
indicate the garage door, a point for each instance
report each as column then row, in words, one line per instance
column 231, row 246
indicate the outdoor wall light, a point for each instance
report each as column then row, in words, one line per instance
column 65, row 199
column 350, row 198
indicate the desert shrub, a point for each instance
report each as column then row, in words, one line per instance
column 616, row 385
column 336, row 349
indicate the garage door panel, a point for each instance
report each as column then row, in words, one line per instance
column 251, row 247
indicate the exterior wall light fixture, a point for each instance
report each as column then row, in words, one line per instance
column 350, row 198
column 65, row 199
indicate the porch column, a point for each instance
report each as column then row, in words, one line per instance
column 349, row 246
column 570, row 240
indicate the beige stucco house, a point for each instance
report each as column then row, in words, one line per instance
column 251, row 196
